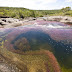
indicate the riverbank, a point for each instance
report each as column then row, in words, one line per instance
column 12, row 22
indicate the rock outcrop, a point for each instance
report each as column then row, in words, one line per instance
column 9, row 22
column 12, row 22
column 62, row 19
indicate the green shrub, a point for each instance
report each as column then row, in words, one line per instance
column 13, row 15
column 1, row 13
column 23, row 12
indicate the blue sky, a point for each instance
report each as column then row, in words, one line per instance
column 37, row 4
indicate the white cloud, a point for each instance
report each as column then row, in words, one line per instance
column 48, row 1
column 31, row 4
column 68, row 1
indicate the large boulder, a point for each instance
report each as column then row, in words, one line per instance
column 10, row 22
column 11, row 25
column 67, row 20
column 54, row 18
column 63, row 19
column 42, row 18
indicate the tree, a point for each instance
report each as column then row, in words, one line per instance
column 66, row 9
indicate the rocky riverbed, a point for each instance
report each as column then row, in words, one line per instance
column 49, row 24
column 12, row 22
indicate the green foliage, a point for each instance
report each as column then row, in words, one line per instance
column 66, row 9
column 69, row 13
column 1, row 13
column 23, row 12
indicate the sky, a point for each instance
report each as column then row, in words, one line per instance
column 37, row 4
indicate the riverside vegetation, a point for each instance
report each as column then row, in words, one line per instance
column 24, row 13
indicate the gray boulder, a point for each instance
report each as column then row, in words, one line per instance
column 13, row 25
column 66, row 20
column 54, row 18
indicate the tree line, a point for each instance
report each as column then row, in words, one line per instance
column 23, row 12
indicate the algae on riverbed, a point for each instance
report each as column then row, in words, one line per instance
column 38, row 47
